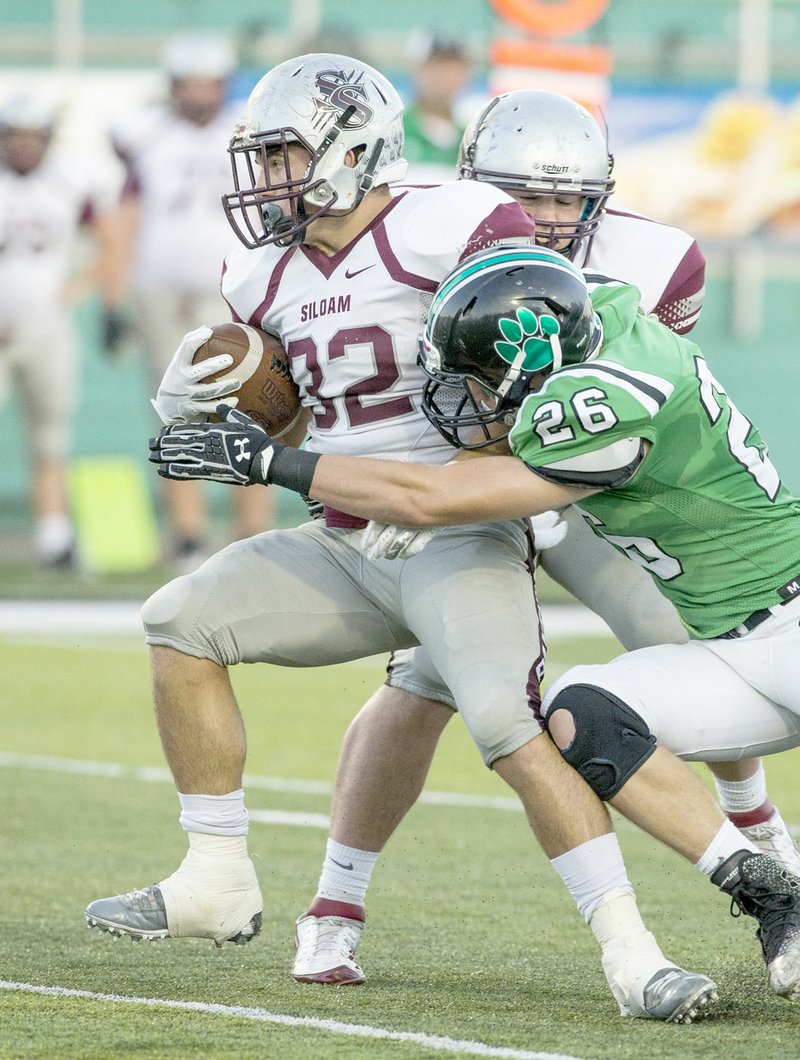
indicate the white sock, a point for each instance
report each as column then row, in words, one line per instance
column 740, row 796
column 726, row 842
column 222, row 815
column 346, row 873
column 591, row 870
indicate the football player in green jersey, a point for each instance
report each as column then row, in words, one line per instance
column 604, row 407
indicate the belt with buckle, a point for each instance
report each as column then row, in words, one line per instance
column 788, row 591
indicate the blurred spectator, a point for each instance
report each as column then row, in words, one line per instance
column 782, row 220
column 734, row 174
column 44, row 203
column 433, row 131
column 172, row 237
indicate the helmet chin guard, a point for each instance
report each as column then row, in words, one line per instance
column 347, row 117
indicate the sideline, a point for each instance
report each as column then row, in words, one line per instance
column 260, row 1015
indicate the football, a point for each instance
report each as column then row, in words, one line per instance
column 267, row 392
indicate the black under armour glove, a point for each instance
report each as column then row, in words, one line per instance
column 237, row 450
column 115, row 328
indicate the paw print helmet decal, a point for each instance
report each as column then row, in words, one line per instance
column 498, row 323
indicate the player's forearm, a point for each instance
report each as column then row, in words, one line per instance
column 417, row 495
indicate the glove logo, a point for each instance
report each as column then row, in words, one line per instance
column 531, row 334
column 244, row 452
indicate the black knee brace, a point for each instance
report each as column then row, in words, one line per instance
column 611, row 740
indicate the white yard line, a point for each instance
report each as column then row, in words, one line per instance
column 260, row 1015
column 291, row 818
column 284, row 785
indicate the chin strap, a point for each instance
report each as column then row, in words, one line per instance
column 368, row 176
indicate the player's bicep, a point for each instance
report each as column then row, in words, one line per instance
column 501, row 488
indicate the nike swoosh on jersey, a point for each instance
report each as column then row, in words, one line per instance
column 356, row 272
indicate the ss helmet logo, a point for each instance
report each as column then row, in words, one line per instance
column 340, row 90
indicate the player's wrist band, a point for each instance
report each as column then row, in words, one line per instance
column 293, row 468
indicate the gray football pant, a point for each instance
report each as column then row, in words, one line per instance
column 308, row 597
column 621, row 592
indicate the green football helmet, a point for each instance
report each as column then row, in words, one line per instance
column 500, row 322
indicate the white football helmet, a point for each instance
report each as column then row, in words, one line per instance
column 546, row 143
column 330, row 104
column 28, row 110
column 199, row 53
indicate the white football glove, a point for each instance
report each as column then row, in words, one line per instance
column 385, row 541
column 182, row 396
column 549, row 530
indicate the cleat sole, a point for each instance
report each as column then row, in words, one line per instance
column 248, row 933
column 696, row 1006
column 117, row 932
column 331, row 978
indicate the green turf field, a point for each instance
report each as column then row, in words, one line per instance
column 471, row 937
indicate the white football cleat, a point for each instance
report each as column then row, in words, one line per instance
column 774, row 838
column 325, row 949
column 202, row 899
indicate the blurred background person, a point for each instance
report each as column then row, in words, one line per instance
column 44, row 205
column 171, row 237
column 433, row 129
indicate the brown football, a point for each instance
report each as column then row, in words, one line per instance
column 267, row 392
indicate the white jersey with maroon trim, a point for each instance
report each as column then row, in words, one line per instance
column 179, row 171
column 40, row 214
column 665, row 263
column 351, row 322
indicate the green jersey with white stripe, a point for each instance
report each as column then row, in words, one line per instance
column 705, row 511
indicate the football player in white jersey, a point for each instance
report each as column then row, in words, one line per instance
column 342, row 267
column 45, row 203
column 549, row 154
column 171, row 240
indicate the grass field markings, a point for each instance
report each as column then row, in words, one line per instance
column 281, row 785
column 290, row 817
column 260, row 1015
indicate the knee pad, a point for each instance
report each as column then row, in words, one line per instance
column 611, row 741
column 176, row 617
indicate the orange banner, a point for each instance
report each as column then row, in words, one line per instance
column 545, row 19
